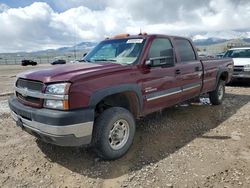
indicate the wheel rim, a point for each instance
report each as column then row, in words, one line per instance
column 118, row 134
column 220, row 92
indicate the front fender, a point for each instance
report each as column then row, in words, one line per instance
column 97, row 96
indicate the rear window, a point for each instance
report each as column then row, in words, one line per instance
column 185, row 50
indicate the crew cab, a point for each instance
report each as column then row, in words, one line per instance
column 241, row 58
column 95, row 102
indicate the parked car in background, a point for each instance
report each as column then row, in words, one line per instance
column 241, row 58
column 26, row 62
column 96, row 101
column 58, row 62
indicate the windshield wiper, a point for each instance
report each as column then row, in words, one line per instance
column 84, row 60
column 105, row 60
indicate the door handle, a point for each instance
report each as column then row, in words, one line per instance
column 178, row 71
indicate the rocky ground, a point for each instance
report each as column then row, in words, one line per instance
column 197, row 145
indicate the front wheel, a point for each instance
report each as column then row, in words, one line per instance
column 114, row 131
column 216, row 97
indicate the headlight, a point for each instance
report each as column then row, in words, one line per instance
column 60, row 89
column 230, row 67
column 247, row 67
column 57, row 104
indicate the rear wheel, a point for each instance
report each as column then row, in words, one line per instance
column 216, row 97
column 113, row 133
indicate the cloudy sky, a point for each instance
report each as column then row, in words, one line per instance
column 27, row 25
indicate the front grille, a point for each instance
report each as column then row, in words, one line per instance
column 29, row 99
column 29, row 84
column 238, row 68
column 33, row 86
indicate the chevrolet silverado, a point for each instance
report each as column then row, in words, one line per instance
column 95, row 102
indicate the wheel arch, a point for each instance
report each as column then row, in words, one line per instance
column 222, row 74
column 126, row 95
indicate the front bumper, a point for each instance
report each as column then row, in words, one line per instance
column 242, row 74
column 64, row 128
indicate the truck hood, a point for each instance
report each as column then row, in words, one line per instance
column 68, row 72
column 241, row 61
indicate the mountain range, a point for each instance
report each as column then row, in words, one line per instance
column 83, row 46
column 200, row 39
column 210, row 38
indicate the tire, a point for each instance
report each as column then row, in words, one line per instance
column 216, row 97
column 113, row 134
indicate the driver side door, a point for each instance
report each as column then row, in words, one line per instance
column 160, row 85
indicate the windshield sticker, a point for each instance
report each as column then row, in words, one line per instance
column 134, row 41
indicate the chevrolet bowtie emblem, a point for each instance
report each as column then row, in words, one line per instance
column 25, row 92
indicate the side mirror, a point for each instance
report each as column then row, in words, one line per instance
column 165, row 60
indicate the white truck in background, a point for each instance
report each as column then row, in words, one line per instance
column 241, row 58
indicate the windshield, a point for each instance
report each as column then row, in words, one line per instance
column 121, row 51
column 239, row 53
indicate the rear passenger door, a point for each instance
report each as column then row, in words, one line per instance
column 188, row 69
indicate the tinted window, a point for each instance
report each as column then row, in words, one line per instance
column 238, row 53
column 160, row 47
column 185, row 50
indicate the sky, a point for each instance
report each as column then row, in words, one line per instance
column 27, row 25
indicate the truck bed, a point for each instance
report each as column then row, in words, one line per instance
column 210, row 72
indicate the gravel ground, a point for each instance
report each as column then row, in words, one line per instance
column 195, row 145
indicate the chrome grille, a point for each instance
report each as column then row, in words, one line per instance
column 29, row 84
column 238, row 68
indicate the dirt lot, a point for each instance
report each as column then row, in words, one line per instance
column 184, row 146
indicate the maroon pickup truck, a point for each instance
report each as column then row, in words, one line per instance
column 95, row 102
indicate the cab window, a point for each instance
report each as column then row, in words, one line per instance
column 185, row 49
column 160, row 47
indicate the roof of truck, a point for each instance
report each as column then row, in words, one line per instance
column 142, row 35
column 240, row 48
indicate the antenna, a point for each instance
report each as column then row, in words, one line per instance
column 75, row 41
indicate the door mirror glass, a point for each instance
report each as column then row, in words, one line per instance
column 166, row 59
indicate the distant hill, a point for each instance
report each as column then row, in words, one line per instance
column 247, row 40
column 218, row 37
column 212, row 49
column 208, row 41
column 83, row 46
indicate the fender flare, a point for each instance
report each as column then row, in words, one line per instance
column 219, row 73
column 97, row 96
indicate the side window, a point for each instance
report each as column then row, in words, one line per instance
column 185, row 50
column 160, row 47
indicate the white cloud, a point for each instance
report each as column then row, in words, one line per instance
column 3, row 7
column 38, row 26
